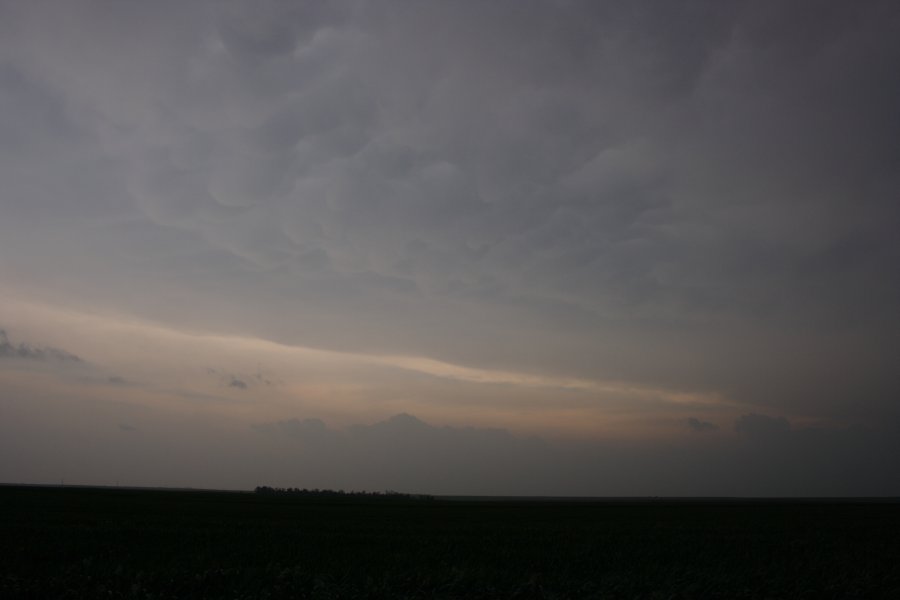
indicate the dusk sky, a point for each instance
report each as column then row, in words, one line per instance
column 480, row 247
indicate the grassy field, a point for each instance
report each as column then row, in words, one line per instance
column 112, row 543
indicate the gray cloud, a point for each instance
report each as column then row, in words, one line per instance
column 25, row 351
column 240, row 381
column 694, row 195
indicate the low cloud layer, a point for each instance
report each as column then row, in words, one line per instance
column 140, row 446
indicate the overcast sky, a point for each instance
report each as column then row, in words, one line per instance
column 513, row 247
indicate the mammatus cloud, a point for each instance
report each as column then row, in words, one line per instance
column 25, row 351
column 582, row 209
column 674, row 196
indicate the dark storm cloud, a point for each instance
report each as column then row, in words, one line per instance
column 694, row 194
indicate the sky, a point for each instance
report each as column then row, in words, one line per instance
column 519, row 247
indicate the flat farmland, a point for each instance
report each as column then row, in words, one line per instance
column 70, row 542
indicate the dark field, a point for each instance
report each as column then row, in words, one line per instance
column 111, row 543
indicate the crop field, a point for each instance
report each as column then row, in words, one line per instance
column 117, row 543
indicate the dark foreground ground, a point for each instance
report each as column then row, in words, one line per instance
column 111, row 543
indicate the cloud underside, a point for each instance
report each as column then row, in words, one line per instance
column 692, row 196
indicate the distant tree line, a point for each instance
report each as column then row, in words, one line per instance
column 316, row 493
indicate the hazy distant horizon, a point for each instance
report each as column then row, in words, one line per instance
column 641, row 500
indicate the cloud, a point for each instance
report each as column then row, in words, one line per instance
column 25, row 351
column 701, row 426
column 624, row 197
column 237, row 383
column 240, row 381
